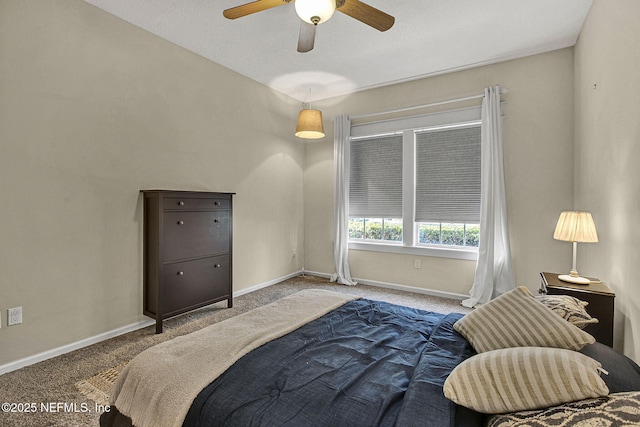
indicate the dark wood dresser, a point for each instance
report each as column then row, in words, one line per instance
column 187, row 251
column 599, row 296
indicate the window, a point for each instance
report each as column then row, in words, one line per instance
column 417, row 185
column 375, row 190
column 447, row 206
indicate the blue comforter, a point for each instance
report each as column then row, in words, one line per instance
column 367, row 363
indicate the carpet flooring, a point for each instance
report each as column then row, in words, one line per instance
column 46, row 393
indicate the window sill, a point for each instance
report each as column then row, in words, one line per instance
column 468, row 254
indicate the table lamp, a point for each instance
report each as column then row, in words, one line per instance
column 575, row 227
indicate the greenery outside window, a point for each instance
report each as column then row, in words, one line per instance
column 467, row 235
column 376, row 229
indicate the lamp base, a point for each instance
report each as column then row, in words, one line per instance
column 577, row 280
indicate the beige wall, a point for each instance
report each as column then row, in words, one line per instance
column 92, row 110
column 607, row 156
column 538, row 140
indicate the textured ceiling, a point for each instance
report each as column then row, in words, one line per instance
column 429, row 37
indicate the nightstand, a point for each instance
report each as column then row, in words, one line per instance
column 599, row 297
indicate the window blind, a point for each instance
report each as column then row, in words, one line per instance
column 375, row 188
column 448, row 175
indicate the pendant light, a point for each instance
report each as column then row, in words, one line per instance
column 310, row 124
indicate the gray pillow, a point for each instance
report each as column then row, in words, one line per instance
column 524, row 378
column 517, row 319
column 569, row 308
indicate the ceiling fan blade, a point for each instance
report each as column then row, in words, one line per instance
column 253, row 7
column 307, row 36
column 367, row 14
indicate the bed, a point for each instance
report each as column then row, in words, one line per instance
column 322, row 358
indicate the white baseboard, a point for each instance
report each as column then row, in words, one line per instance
column 266, row 284
column 13, row 366
column 317, row 273
column 406, row 288
column 21, row 363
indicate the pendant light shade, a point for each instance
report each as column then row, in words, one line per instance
column 310, row 124
column 315, row 11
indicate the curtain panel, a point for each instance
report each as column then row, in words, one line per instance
column 342, row 133
column 493, row 275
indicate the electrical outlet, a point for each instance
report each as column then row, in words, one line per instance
column 416, row 263
column 14, row 316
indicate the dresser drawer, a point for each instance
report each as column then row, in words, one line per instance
column 187, row 251
column 194, row 234
column 189, row 203
column 193, row 283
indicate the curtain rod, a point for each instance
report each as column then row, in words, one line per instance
column 432, row 104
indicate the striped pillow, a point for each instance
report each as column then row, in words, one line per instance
column 569, row 308
column 524, row 378
column 517, row 319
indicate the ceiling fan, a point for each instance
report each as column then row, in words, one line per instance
column 314, row 12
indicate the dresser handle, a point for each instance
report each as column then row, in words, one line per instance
column 216, row 203
column 180, row 273
column 180, row 222
column 216, row 220
column 217, row 266
column 180, row 203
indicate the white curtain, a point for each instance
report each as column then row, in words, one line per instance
column 341, row 132
column 493, row 275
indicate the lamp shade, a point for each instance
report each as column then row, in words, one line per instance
column 310, row 124
column 315, row 11
column 576, row 226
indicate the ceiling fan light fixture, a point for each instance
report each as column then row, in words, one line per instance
column 315, row 11
column 310, row 124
